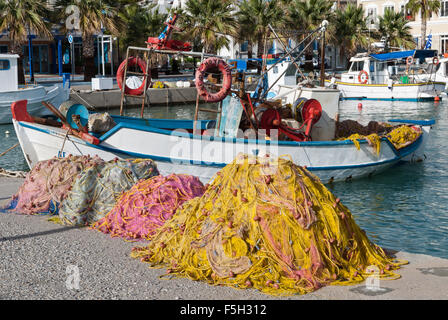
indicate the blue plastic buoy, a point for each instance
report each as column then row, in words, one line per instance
column 80, row 110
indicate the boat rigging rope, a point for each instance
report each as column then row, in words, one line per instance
column 92, row 107
column 12, row 174
column 9, row 149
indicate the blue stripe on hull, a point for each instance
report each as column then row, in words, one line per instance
column 399, row 154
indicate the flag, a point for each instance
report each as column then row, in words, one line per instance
column 428, row 42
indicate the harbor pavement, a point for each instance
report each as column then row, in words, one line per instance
column 39, row 258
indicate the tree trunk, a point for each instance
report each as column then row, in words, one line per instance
column 17, row 48
column 249, row 50
column 88, row 52
column 260, row 45
column 422, row 46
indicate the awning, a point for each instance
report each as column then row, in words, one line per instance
column 393, row 55
column 417, row 54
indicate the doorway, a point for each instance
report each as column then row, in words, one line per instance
column 41, row 61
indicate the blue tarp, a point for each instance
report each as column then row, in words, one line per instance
column 393, row 55
column 417, row 54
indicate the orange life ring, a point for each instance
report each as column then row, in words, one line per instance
column 435, row 60
column 224, row 68
column 360, row 74
column 133, row 61
column 409, row 60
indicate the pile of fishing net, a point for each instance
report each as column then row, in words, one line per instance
column 96, row 190
column 403, row 136
column 399, row 136
column 268, row 225
column 349, row 127
column 143, row 209
column 48, row 183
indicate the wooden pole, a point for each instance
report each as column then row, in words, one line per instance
column 322, row 62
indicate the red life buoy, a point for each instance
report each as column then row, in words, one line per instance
column 409, row 60
column 224, row 68
column 133, row 61
column 435, row 61
column 360, row 75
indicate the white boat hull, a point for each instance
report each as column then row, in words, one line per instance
column 403, row 92
column 203, row 156
column 35, row 95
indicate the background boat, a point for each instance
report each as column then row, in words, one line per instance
column 10, row 91
column 388, row 76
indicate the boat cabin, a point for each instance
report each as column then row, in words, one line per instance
column 441, row 68
column 386, row 68
column 283, row 66
column 8, row 72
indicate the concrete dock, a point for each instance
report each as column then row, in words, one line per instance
column 37, row 259
column 112, row 98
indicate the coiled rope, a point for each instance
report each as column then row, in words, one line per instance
column 12, row 173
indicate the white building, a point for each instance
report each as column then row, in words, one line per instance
column 437, row 25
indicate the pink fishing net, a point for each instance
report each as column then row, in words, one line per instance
column 48, row 183
column 147, row 205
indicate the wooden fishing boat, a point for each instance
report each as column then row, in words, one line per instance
column 175, row 149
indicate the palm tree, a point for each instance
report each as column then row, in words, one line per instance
column 94, row 15
column 254, row 17
column 20, row 18
column 349, row 30
column 141, row 24
column 210, row 21
column 308, row 15
column 426, row 8
column 393, row 26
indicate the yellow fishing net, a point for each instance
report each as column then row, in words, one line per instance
column 269, row 225
column 403, row 136
column 400, row 137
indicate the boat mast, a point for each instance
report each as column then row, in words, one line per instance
column 322, row 54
